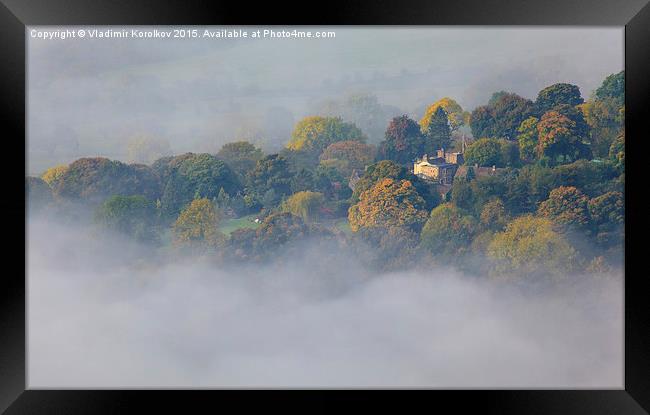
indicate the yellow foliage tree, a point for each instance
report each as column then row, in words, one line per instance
column 529, row 246
column 304, row 204
column 386, row 204
column 53, row 174
column 196, row 226
column 455, row 113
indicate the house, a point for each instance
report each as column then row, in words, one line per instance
column 440, row 169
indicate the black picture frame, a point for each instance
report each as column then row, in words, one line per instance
column 15, row 15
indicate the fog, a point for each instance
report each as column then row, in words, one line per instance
column 104, row 312
column 91, row 96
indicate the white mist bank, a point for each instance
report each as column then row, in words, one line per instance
column 98, row 317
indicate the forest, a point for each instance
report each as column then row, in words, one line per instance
column 540, row 197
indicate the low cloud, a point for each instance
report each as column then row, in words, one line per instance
column 103, row 313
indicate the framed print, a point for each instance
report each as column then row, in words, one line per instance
column 368, row 200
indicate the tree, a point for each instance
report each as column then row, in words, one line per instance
column 388, row 203
column 241, row 156
column 529, row 247
column 567, row 206
column 612, row 87
column 389, row 169
column 271, row 173
column 608, row 210
column 448, row 231
column 481, row 122
column 527, row 139
column 453, row 111
column 486, row 152
column 347, row 156
column 134, row 216
column 146, row 149
column 305, row 204
column 494, row 216
column 558, row 94
column 559, row 139
column 509, row 111
column 403, row 141
column 52, row 175
column 197, row 226
column 313, row 134
column 95, row 179
column 437, row 131
column 194, row 176
column 501, row 117
column 617, row 151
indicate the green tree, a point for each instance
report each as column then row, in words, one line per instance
column 612, row 87
column 437, row 131
column 558, row 94
column 501, row 117
column 134, row 216
column 194, row 176
column 530, row 247
column 494, row 216
column 241, row 156
column 388, row 203
column 486, row 152
column 527, row 139
column 271, row 173
column 197, row 226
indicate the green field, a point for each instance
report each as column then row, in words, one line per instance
column 228, row 226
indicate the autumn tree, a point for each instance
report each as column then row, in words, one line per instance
column 241, row 156
column 454, row 112
column 437, row 131
column 134, row 216
column 197, row 226
column 347, row 156
column 312, row 135
column 403, row 141
column 557, row 94
column 305, row 204
column 389, row 169
column 559, row 139
column 617, row 151
column 448, row 231
column 494, row 216
column 607, row 211
column 52, row 175
column 530, row 247
column 388, row 203
column 567, row 206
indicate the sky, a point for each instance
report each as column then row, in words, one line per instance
column 88, row 97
